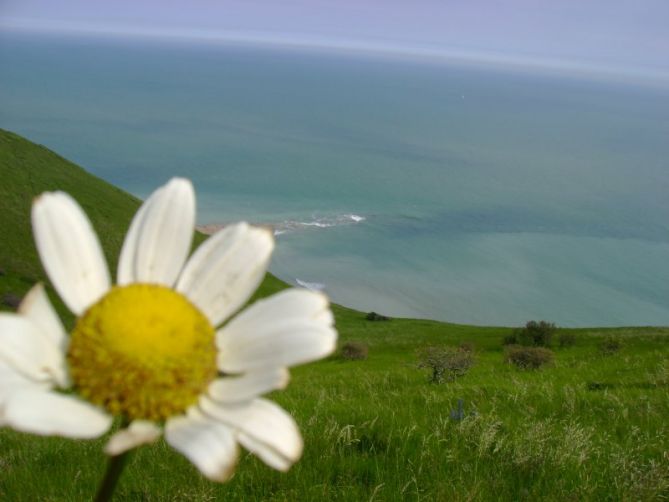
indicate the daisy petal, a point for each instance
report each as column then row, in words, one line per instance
column 226, row 269
column 11, row 381
column 288, row 304
column 28, row 351
column 255, row 338
column 37, row 307
column 69, row 250
column 326, row 317
column 209, row 445
column 265, row 426
column 50, row 414
column 265, row 452
column 125, row 271
column 137, row 433
column 286, row 342
column 248, row 386
column 160, row 236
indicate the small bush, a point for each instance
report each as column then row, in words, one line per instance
column 373, row 316
column 445, row 363
column 566, row 340
column 11, row 300
column 510, row 339
column 467, row 347
column 536, row 334
column 610, row 346
column 354, row 351
column 530, row 358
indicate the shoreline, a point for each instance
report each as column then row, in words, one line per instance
column 209, row 229
column 292, row 225
column 212, row 228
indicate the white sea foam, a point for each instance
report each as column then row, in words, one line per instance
column 317, row 222
column 288, row 226
column 313, row 286
column 356, row 218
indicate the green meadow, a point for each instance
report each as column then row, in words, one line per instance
column 589, row 426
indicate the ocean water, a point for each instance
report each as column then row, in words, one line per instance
column 465, row 194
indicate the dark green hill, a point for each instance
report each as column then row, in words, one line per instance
column 28, row 169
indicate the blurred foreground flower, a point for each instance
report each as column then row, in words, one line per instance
column 148, row 349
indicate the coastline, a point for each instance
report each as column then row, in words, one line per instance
column 209, row 229
column 212, row 228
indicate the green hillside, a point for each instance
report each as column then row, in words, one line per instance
column 26, row 170
column 592, row 425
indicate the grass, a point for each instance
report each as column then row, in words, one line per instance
column 588, row 427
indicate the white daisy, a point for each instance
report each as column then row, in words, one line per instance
column 148, row 349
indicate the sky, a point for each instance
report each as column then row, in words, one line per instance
column 617, row 35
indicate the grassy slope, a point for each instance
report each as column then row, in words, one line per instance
column 375, row 429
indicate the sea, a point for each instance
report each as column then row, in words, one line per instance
column 414, row 188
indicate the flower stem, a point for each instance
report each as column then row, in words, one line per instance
column 114, row 469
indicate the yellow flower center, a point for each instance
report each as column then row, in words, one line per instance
column 142, row 351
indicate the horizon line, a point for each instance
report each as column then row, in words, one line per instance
column 415, row 52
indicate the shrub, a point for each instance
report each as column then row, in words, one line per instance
column 566, row 340
column 536, row 334
column 510, row 339
column 373, row 316
column 354, row 351
column 445, row 363
column 530, row 358
column 610, row 345
column 467, row 347
column 11, row 300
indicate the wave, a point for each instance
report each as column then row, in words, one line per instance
column 313, row 286
column 288, row 226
